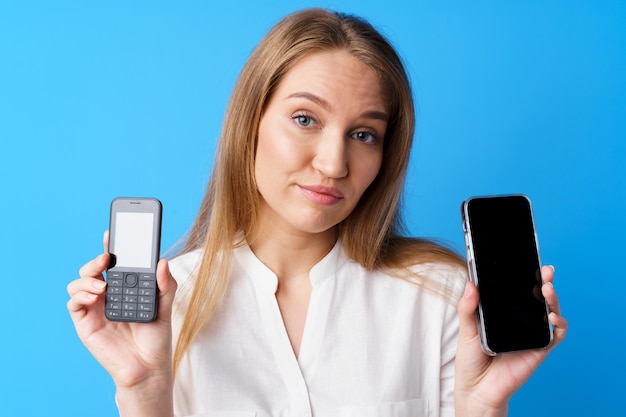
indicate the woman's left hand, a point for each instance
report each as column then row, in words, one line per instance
column 485, row 384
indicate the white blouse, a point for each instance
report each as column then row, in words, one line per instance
column 373, row 345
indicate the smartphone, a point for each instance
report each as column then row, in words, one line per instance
column 503, row 262
column 134, row 246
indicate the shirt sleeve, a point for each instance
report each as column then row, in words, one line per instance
column 448, row 356
column 449, row 339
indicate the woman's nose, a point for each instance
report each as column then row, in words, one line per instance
column 331, row 156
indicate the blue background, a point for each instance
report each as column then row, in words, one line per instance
column 100, row 99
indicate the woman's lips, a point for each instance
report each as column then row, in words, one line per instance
column 320, row 194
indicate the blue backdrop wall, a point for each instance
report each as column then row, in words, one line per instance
column 100, row 99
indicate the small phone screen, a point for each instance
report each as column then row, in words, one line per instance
column 508, row 270
column 133, row 239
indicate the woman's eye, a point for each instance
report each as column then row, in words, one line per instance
column 366, row 137
column 303, row 120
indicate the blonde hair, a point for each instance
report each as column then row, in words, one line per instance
column 371, row 235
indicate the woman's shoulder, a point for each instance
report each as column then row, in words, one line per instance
column 451, row 276
column 427, row 264
column 185, row 265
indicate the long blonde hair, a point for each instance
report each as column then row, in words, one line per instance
column 371, row 235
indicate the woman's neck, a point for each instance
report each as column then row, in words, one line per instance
column 291, row 255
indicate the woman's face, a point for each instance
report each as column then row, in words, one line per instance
column 320, row 142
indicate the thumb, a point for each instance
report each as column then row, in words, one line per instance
column 467, row 312
column 167, row 288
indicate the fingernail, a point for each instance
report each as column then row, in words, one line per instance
column 552, row 317
column 99, row 285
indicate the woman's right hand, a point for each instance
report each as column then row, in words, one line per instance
column 136, row 355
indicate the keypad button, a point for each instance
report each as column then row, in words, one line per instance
column 146, row 284
column 130, row 280
column 144, row 307
column 129, row 314
column 114, row 298
column 114, row 290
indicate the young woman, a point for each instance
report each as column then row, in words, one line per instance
column 296, row 294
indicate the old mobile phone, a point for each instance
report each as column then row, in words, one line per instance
column 134, row 246
column 503, row 262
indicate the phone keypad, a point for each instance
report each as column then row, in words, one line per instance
column 130, row 296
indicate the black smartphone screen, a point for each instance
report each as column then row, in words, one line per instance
column 506, row 265
column 134, row 245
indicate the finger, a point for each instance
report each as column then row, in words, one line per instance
column 467, row 309
column 552, row 299
column 560, row 327
column 547, row 273
column 92, row 285
column 84, row 292
column 470, row 361
column 81, row 300
column 554, row 306
column 105, row 241
column 165, row 280
column 95, row 267
column 167, row 288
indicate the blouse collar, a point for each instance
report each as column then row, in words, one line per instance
column 326, row 268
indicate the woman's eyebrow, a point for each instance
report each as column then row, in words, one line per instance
column 377, row 115
column 373, row 114
column 312, row 97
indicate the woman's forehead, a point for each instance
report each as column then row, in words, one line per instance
column 331, row 75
